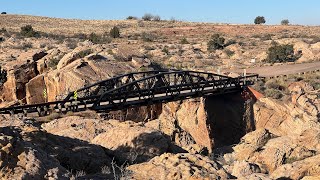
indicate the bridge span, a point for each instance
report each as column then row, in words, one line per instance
column 139, row 89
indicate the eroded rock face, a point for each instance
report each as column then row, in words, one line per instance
column 75, row 75
column 289, row 118
column 208, row 122
column 179, row 166
column 18, row 74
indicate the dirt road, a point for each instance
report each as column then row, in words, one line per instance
column 277, row 70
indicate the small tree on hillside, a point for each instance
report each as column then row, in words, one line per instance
column 147, row 17
column 281, row 53
column 259, row 20
column 28, row 31
column 4, row 13
column 115, row 32
column 216, row 42
column 285, row 22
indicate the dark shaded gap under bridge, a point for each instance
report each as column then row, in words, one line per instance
column 140, row 89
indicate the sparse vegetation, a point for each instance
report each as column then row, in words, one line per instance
column 229, row 52
column 52, row 63
column 115, row 32
column 165, row 50
column 28, row 31
column 259, row 20
column 3, row 12
column 84, row 53
column 216, row 42
column 281, row 53
column 147, row 17
column 285, row 22
column 99, row 39
column 156, row 18
column 148, row 37
column 184, row 41
column 132, row 18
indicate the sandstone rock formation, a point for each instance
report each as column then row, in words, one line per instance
column 20, row 159
column 207, row 122
column 133, row 143
column 179, row 166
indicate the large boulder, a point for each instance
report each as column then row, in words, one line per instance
column 73, row 76
column 20, row 159
column 297, row 170
column 133, row 143
column 77, row 127
column 78, row 53
column 179, row 166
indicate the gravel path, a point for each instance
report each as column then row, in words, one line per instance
column 269, row 71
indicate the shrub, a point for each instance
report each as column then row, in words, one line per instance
column 281, row 53
column 53, row 63
column 230, row 42
column 84, row 53
column 99, row 39
column 184, row 41
column 266, row 37
column 285, row 22
column 165, row 50
column 131, row 18
column 259, row 20
column 216, row 42
column 156, row 18
column 229, row 52
column 3, row 12
column 115, row 32
column 2, row 39
column 3, row 30
column 28, row 31
column 148, row 37
column 147, row 17
column 273, row 93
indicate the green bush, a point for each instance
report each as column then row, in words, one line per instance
column 147, row 17
column 53, row 63
column 259, row 20
column 131, row 18
column 273, row 93
column 216, row 42
column 184, row 41
column 115, row 32
column 28, row 31
column 84, row 53
column 281, row 53
column 285, row 22
column 3, row 12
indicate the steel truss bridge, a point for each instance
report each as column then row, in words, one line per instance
column 139, row 89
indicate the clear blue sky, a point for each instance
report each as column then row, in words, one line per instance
column 306, row 12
